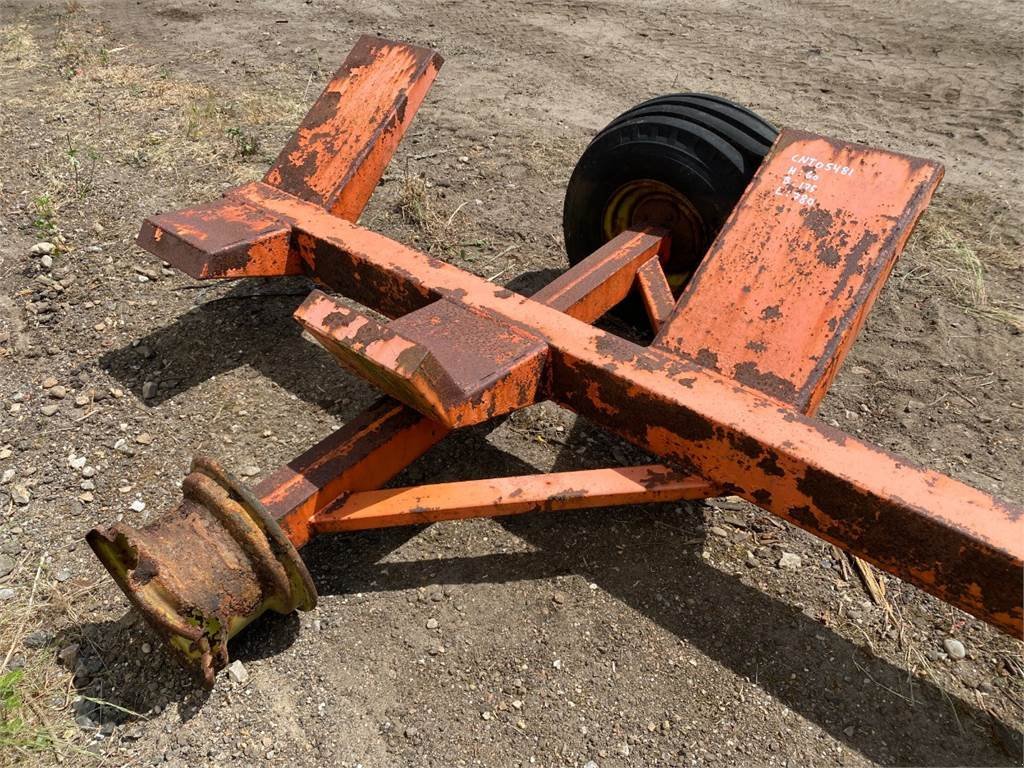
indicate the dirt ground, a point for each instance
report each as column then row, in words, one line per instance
column 662, row 635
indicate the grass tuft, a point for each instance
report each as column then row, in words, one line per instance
column 437, row 233
column 949, row 250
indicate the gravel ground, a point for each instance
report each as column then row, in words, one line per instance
column 706, row 634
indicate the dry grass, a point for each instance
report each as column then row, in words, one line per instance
column 438, row 233
column 167, row 126
column 18, row 48
column 950, row 251
column 36, row 724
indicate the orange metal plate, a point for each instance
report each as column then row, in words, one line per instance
column 338, row 153
column 782, row 293
column 422, row 358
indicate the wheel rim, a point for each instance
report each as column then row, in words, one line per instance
column 652, row 203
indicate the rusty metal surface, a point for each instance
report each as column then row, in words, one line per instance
column 958, row 543
column 362, row 455
column 248, row 567
column 423, row 359
column 556, row 491
column 340, row 150
column 655, row 292
column 783, row 291
column 222, row 239
column 604, row 278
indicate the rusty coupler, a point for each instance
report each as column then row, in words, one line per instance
column 203, row 571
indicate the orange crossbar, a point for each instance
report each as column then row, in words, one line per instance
column 585, row 489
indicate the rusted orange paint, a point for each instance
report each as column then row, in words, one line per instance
column 788, row 281
column 757, row 446
column 422, row 359
column 604, row 278
column 222, row 239
column 340, row 150
column 720, row 394
column 655, row 292
column 556, row 491
column 364, row 454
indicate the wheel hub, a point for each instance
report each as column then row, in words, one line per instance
column 648, row 202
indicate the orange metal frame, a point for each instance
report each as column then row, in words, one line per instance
column 725, row 394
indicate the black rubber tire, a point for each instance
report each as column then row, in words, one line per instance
column 704, row 147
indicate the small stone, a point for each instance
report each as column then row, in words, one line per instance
column 117, row 392
column 58, row 392
column 411, row 732
column 138, row 505
column 559, row 597
column 463, row 158
column 7, row 564
column 6, row 593
column 789, row 561
column 46, row 261
column 432, row 623
column 590, row 764
column 49, row 410
column 237, row 672
column 87, row 485
column 85, row 723
column 49, row 382
column 20, row 495
column 718, row 531
column 517, row 703
column 69, row 655
column 76, row 462
column 40, row 248
column 97, row 227
column 107, row 729
column 37, row 639
column 63, row 575
column 557, row 664
column 954, row 648
column 144, row 438
column 146, row 648
column 250, row 471
column 986, row 687
column 88, row 471
column 7, row 476
column 149, row 390
column 6, row 452
column 82, row 400
column 486, row 715
column 86, row 497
